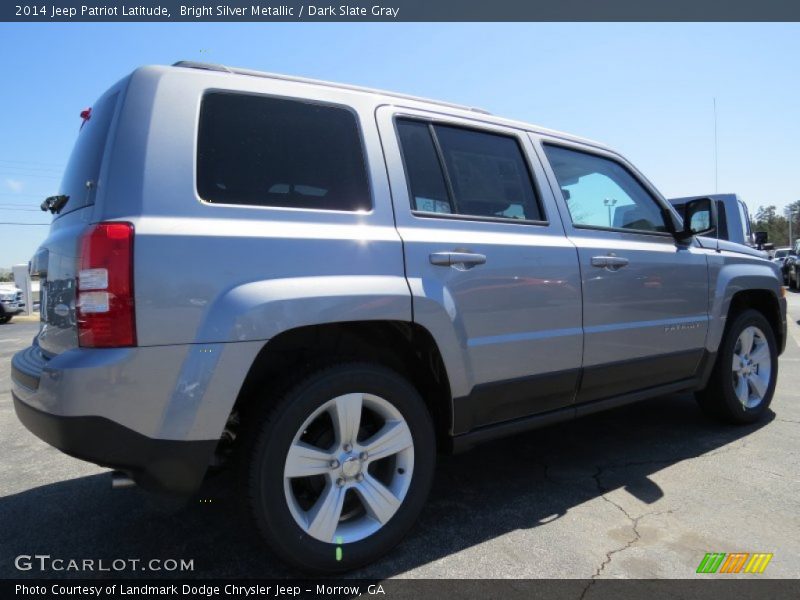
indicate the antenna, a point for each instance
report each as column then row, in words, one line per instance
column 716, row 171
column 716, row 154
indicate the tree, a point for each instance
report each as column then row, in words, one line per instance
column 794, row 209
column 776, row 225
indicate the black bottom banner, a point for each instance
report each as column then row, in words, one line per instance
column 393, row 589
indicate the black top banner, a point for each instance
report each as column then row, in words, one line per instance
column 403, row 10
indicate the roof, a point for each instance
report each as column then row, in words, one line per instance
column 189, row 64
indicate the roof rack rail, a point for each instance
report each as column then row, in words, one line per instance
column 190, row 64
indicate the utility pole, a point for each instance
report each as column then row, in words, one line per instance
column 609, row 202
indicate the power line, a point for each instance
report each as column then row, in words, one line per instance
column 27, row 175
column 30, row 162
column 13, row 195
column 9, row 172
column 10, row 223
column 21, row 168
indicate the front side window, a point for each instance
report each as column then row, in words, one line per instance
column 262, row 151
column 459, row 171
column 602, row 193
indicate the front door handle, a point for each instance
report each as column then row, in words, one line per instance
column 609, row 262
column 457, row 259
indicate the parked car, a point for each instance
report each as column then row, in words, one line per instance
column 780, row 257
column 327, row 283
column 791, row 271
column 733, row 218
column 11, row 302
column 780, row 254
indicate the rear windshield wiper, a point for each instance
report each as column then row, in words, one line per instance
column 54, row 203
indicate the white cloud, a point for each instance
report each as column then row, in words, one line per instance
column 15, row 185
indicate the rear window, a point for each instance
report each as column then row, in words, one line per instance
column 83, row 168
column 262, row 151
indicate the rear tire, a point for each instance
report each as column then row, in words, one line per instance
column 4, row 319
column 340, row 467
column 742, row 382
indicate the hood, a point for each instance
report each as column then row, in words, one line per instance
column 711, row 243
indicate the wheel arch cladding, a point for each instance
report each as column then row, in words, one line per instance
column 739, row 286
column 402, row 346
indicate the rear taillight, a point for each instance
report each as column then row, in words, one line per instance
column 105, row 305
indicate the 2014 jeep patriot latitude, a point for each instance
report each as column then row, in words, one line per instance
column 327, row 283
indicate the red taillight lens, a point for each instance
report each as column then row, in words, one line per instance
column 106, row 316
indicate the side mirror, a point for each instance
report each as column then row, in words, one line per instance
column 699, row 218
column 761, row 238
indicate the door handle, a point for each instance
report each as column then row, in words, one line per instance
column 455, row 259
column 609, row 262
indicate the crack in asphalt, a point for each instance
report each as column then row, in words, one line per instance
column 634, row 522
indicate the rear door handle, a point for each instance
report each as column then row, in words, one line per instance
column 456, row 259
column 610, row 262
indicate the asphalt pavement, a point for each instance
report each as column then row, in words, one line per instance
column 641, row 491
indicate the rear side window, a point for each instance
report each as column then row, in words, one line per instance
column 262, row 151
column 459, row 171
column 83, row 168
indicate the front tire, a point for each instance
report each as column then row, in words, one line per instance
column 340, row 467
column 742, row 383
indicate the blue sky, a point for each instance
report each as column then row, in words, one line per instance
column 645, row 89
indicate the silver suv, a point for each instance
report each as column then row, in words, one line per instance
column 327, row 284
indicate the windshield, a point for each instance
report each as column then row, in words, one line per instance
column 83, row 168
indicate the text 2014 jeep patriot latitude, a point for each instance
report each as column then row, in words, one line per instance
column 326, row 283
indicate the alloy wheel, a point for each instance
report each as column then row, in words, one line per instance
column 752, row 367
column 349, row 468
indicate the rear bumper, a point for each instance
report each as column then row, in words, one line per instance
column 105, row 407
column 161, row 465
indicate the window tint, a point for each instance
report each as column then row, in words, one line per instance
column 487, row 174
column 270, row 152
column 429, row 191
column 602, row 193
